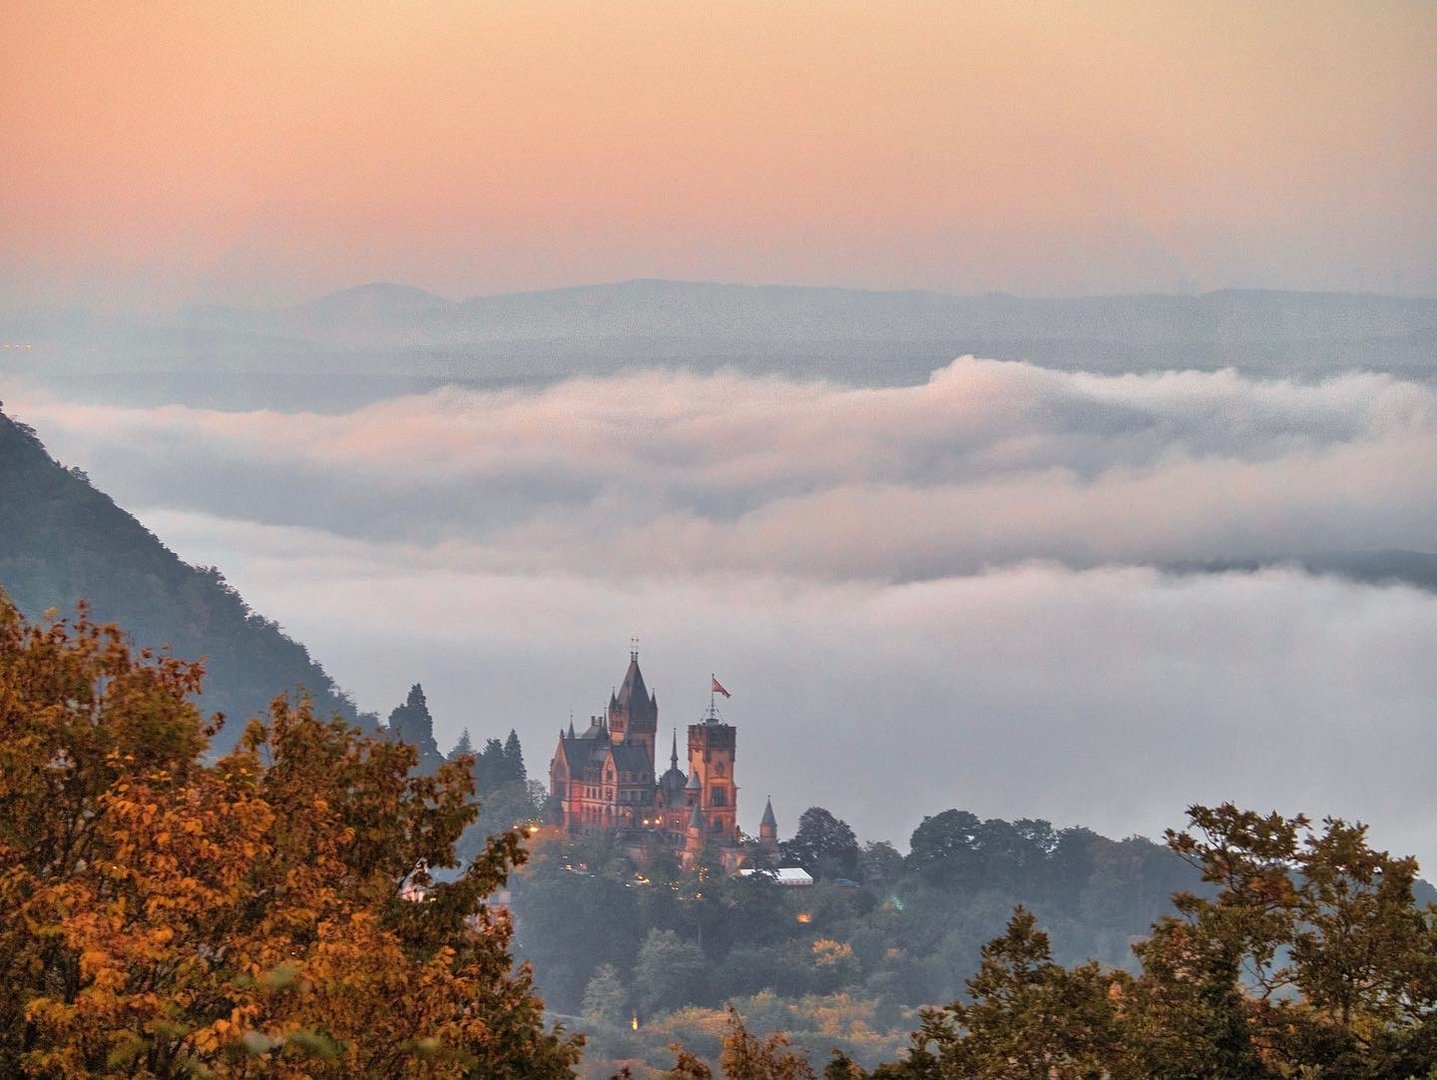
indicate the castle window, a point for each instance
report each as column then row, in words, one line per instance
column 719, row 797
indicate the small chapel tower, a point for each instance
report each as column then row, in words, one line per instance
column 768, row 827
column 694, row 836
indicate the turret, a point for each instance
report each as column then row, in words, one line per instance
column 768, row 826
column 633, row 713
column 694, row 838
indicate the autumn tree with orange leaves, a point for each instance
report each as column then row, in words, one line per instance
column 268, row 914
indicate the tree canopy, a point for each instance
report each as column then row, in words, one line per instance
column 271, row 913
column 824, row 845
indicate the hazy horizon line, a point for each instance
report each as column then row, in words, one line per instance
column 183, row 306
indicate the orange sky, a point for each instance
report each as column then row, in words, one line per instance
column 160, row 152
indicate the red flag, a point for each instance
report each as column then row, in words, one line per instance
column 718, row 688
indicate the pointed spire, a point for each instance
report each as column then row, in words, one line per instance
column 674, row 755
column 696, row 819
column 571, row 725
column 768, row 821
column 694, row 784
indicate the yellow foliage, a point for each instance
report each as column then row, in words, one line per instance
column 830, row 953
column 168, row 917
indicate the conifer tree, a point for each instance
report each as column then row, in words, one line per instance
column 514, row 758
column 411, row 723
column 606, row 999
column 465, row 746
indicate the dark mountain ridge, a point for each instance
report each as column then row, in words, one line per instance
column 61, row 541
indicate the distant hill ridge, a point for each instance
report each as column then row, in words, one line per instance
column 656, row 307
column 383, row 339
column 849, row 335
column 61, row 540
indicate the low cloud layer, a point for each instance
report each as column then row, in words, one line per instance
column 989, row 462
column 922, row 597
column 1111, row 697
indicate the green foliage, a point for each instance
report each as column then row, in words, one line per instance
column 606, row 998
column 1028, row 1017
column 897, row 942
column 823, row 845
column 514, row 759
column 669, row 972
column 880, row 864
column 412, row 723
column 1310, row 957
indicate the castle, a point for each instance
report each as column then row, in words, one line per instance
column 606, row 777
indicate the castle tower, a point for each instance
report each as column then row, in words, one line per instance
column 711, row 756
column 768, row 827
column 694, row 837
column 633, row 714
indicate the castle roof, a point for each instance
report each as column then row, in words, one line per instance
column 694, row 784
column 630, row 757
column 671, row 786
column 633, row 696
column 580, row 753
column 596, row 729
column 696, row 819
column 768, row 821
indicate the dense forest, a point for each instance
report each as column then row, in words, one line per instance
column 846, row 962
column 62, row 541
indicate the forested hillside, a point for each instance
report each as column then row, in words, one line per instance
column 62, row 541
column 845, row 963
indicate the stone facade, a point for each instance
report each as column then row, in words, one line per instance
column 606, row 777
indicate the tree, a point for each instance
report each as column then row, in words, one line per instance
column 1324, row 930
column 669, row 972
column 823, row 845
column 1029, row 1017
column 167, row 917
column 463, row 748
column 491, row 768
column 881, row 864
column 514, row 758
column 411, row 723
column 944, row 848
column 745, row 1057
column 606, row 999
column 560, row 932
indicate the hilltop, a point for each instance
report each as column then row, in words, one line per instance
column 61, row 540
